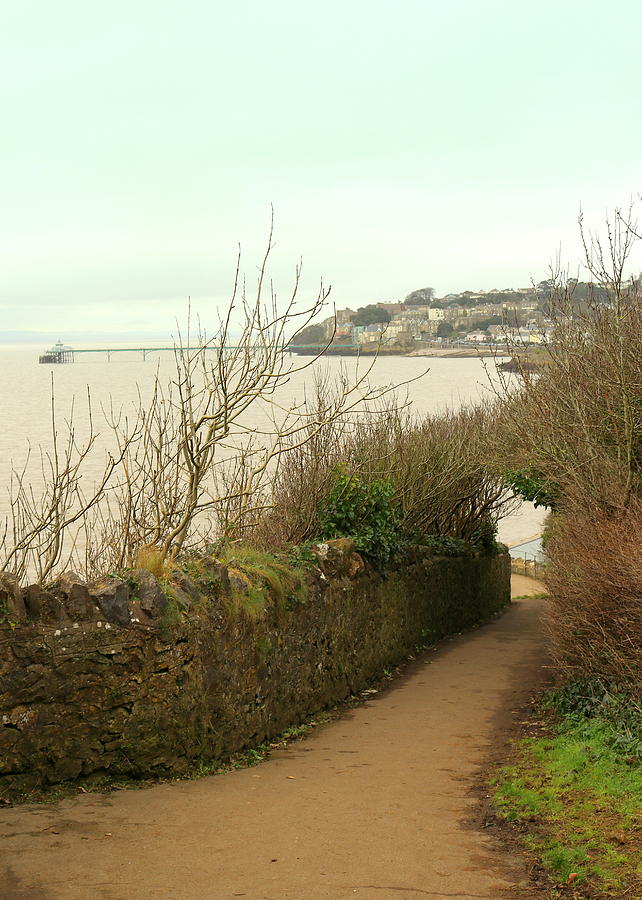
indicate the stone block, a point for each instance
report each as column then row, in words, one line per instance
column 337, row 558
column 75, row 597
column 44, row 605
column 151, row 598
column 111, row 596
column 12, row 605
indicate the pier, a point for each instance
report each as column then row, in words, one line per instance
column 57, row 354
column 60, row 353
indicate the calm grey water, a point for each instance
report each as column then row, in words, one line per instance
column 25, row 394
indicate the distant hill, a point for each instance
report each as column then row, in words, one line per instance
column 78, row 337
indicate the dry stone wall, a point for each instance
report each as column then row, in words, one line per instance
column 135, row 678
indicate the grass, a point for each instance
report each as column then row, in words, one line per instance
column 261, row 576
column 577, row 802
column 256, row 580
column 152, row 559
column 171, row 615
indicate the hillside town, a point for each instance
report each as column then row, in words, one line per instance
column 469, row 318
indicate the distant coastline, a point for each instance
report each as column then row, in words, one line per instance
column 528, row 359
column 443, row 352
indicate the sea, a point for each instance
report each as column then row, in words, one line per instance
column 82, row 393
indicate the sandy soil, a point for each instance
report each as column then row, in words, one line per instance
column 374, row 805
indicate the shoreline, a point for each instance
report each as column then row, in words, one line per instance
column 528, row 360
column 435, row 352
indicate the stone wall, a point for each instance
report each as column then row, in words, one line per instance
column 112, row 679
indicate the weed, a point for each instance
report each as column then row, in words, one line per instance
column 516, row 800
column 264, row 646
column 296, row 731
column 253, row 601
column 616, row 714
column 199, row 568
column 302, row 556
column 261, row 576
column 132, row 583
column 564, row 860
column 5, row 618
column 152, row 559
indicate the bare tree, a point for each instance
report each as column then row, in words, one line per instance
column 196, row 460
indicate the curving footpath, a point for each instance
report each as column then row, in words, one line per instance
column 373, row 806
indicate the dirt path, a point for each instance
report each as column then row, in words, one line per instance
column 371, row 806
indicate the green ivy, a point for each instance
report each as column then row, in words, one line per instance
column 365, row 511
column 531, row 484
column 442, row 545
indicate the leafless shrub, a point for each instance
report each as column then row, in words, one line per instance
column 577, row 419
column 436, row 465
column 595, row 579
column 47, row 508
column 576, row 426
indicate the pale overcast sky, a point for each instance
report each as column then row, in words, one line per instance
column 403, row 144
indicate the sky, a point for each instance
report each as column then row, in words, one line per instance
column 401, row 144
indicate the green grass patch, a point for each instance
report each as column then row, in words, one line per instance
column 258, row 577
column 578, row 800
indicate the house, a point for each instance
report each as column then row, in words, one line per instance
column 345, row 330
column 398, row 333
column 523, row 335
column 368, row 334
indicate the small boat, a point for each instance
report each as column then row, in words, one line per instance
column 59, row 353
